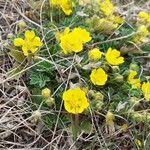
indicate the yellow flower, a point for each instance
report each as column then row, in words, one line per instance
column 116, row 19
column 143, row 15
column 82, row 34
column 55, row 2
column 58, row 35
column 66, row 5
column 144, row 18
column 75, row 101
column 46, row 93
column 98, row 76
column 72, row 42
column 134, row 82
column 146, row 90
column 142, row 33
column 29, row 44
column 107, row 7
column 113, row 57
column 95, row 54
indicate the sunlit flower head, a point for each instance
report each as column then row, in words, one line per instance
column 72, row 41
column 107, row 7
column 146, row 90
column 143, row 15
column 46, row 93
column 98, row 76
column 134, row 81
column 113, row 57
column 82, row 34
column 144, row 18
column 75, row 100
column 65, row 5
column 29, row 44
column 95, row 54
column 142, row 33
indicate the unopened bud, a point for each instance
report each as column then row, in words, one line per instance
column 22, row 24
column 134, row 100
column 91, row 93
column 50, row 101
column 99, row 96
column 99, row 105
column 134, row 67
column 138, row 143
column 10, row 36
column 137, row 116
column 118, row 77
column 46, row 93
column 115, row 69
column 36, row 116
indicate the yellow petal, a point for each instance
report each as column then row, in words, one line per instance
column 37, row 42
column 95, row 54
column 98, row 76
column 18, row 42
column 29, row 35
column 25, row 50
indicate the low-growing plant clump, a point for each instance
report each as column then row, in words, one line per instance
column 85, row 66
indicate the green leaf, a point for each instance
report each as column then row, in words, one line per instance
column 17, row 55
column 39, row 79
column 86, row 126
column 44, row 67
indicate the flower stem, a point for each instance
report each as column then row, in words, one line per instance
column 75, row 125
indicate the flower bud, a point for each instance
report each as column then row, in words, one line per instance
column 138, row 143
column 99, row 96
column 137, row 116
column 22, row 24
column 10, row 36
column 50, row 101
column 115, row 69
column 91, row 93
column 146, row 116
column 124, row 127
column 134, row 101
column 36, row 116
column 134, row 67
column 118, row 77
column 46, row 93
column 99, row 105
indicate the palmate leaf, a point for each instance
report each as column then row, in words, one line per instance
column 39, row 79
column 44, row 67
column 86, row 126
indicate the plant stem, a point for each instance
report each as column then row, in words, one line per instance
column 75, row 125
